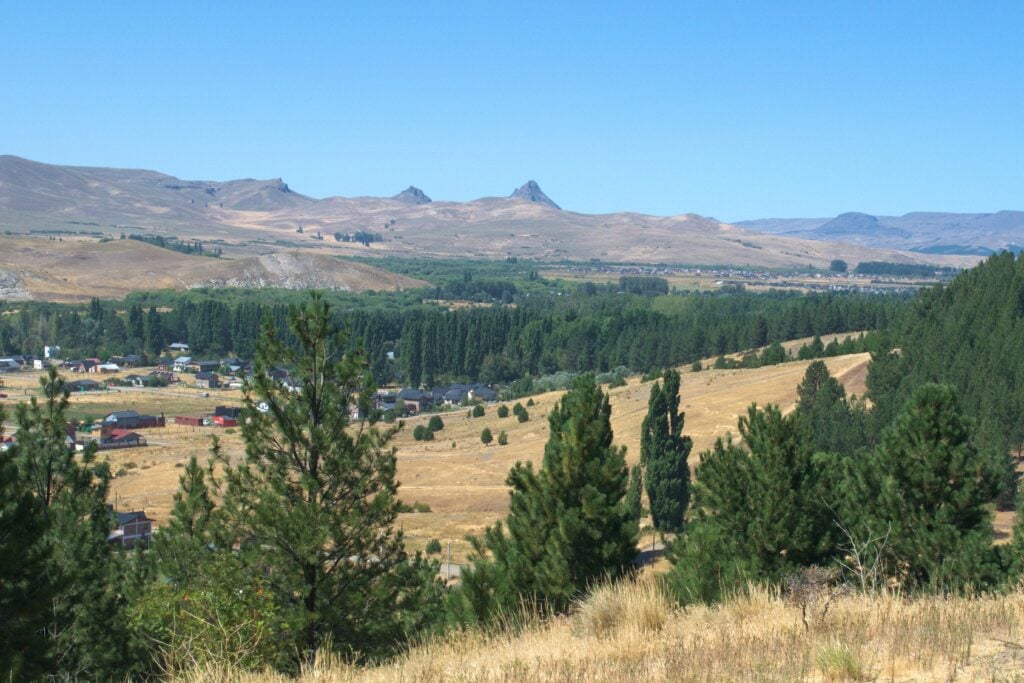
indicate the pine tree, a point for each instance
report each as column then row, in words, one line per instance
column 758, row 509
column 180, row 545
column 568, row 526
column 26, row 585
column 834, row 424
column 664, row 452
column 317, row 501
column 87, row 622
column 930, row 489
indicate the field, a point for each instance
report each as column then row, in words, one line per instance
column 631, row 633
column 460, row 478
column 75, row 270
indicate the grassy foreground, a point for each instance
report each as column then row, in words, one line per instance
column 630, row 632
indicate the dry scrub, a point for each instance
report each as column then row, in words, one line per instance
column 630, row 632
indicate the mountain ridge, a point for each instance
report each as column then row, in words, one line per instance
column 917, row 231
column 250, row 214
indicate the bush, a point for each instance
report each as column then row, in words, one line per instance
column 486, row 437
column 502, row 411
column 478, row 410
column 433, row 546
column 436, row 424
column 696, row 367
column 422, row 433
column 517, row 408
column 529, row 403
column 524, row 416
column 502, row 439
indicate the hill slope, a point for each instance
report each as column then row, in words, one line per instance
column 76, row 270
column 528, row 224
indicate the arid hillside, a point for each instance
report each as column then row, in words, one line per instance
column 630, row 632
column 526, row 224
column 79, row 269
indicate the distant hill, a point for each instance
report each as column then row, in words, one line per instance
column 78, row 269
column 923, row 232
column 251, row 216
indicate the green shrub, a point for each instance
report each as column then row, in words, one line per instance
column 524, row 416
column 478, row 410
column 486, row 437
column 502, row 439
column 422, row 433
column 502, row 411
column 529, row 403
column 517, row 409
column 433, row 546
column 435, row 424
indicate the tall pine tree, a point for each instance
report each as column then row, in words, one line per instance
column 568, row 525
column 758, row 509
column 929, row 488
column 316, row 501
column 27, row 586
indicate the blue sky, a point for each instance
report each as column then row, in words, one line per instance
column 733, row 110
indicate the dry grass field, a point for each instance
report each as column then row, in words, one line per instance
column 461, row 479
column 630, row 632
column 75, row 270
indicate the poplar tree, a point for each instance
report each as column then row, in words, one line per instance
column 568, row 526
column 315, row 499
column 664, row 452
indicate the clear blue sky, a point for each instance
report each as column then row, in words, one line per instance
column 733, row 110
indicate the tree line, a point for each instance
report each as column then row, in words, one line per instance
column 539, row 334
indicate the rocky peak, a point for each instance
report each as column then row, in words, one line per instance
column 412, row 195
column 531, row 192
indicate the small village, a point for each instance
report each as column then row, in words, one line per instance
column 133, row 375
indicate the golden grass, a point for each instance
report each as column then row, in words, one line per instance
column 630, row 632
column 464, row 485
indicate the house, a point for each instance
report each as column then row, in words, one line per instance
column 188, row 421
column 198, row 366
column 228, row 411
column 165, row 363
column 414, row 400
column 225, row 421
column 181, row 363
column 111, row 438
column 130, row 360
column 178, row 347
column 9, row 365
column 483, row 393
column 207, row 380
column 82, row 385
column 386, row 401
column 50, row 352
column 132, row 528
column 129, row 419
column 104, row 368
column 235, row 365
column 84, row 365
column 456, row 394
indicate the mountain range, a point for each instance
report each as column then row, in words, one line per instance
column 976, row 234
column 253, row 216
